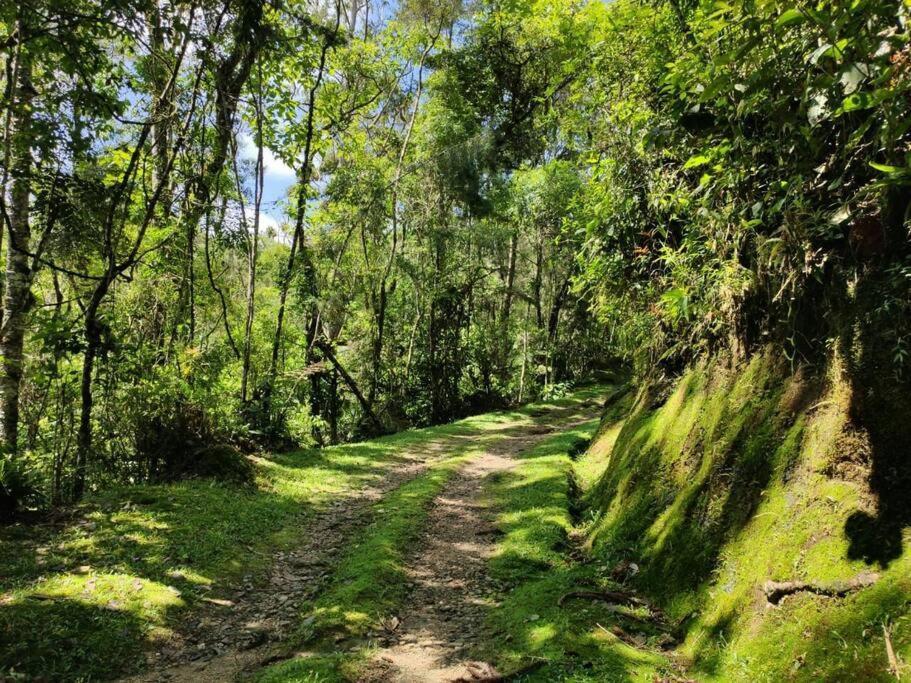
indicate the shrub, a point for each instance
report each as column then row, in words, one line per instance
column 183, row 443
column 15, row 487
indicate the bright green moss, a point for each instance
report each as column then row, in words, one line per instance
column 727, row 485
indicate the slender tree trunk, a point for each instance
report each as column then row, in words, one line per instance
column 17, row 297
column 352, row 385
column 383, row 299
column 213, row 283
column 524, row 356
column 253, row 250
column 92, row 330
column 409, row 355
column 555, row 310
column 160, row 71
column 506, row 313
column 297, row 239
column 191, row 278
column 537, row 285
column 333, row 407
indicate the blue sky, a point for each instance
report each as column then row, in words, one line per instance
column 278, row 177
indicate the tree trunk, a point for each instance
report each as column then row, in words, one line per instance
column 506, row 313
column 297, row 239
column 92, row 345
column 380, row 314
column 537, row 284
column 352, row 385
column 253, row 249
column 160, row 67
column 17, row 299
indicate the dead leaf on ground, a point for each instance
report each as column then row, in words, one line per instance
column 391, row 624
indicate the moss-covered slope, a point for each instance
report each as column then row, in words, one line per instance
column 750, row 473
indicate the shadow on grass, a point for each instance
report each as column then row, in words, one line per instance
column 881, row 409
column 98, row 641
column 688, row 477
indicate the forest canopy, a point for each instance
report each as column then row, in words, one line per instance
column 485, row 202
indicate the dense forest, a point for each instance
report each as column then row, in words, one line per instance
column 236, row 228
column 487, row 202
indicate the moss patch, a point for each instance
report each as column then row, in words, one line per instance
column 530, row 631
column 736, row 479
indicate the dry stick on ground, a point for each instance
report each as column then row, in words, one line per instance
column 618, row 598
column 775, row 591
column 894, row 667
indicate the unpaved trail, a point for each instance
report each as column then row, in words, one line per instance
column 241, row 630
column 443, row 618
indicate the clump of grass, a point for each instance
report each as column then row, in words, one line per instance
column 530, row 630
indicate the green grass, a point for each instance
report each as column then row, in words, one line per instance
column 529, row 631
column 370, row 582
column 140, row 556
column 83, row 599
column 725, row 484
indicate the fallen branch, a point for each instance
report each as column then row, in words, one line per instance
column 639, row 641
column 775, row 591
column 484, row 673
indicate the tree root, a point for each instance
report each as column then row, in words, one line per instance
column 776, row 591
column 484, row 673
column 616, row 597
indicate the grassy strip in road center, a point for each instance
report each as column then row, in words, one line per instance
column 369, row 583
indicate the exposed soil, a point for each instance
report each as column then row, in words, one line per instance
column 240, row 630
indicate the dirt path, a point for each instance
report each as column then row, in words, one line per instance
column 450, row 593
column 241, row 630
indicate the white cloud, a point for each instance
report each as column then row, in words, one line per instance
column 276, row 169
column 267, row 222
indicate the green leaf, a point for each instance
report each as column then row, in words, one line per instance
column 862, row 100
column 790, row 18
column 696, row 161
column 891, row 170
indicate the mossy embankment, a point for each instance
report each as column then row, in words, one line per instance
column 741, row 474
